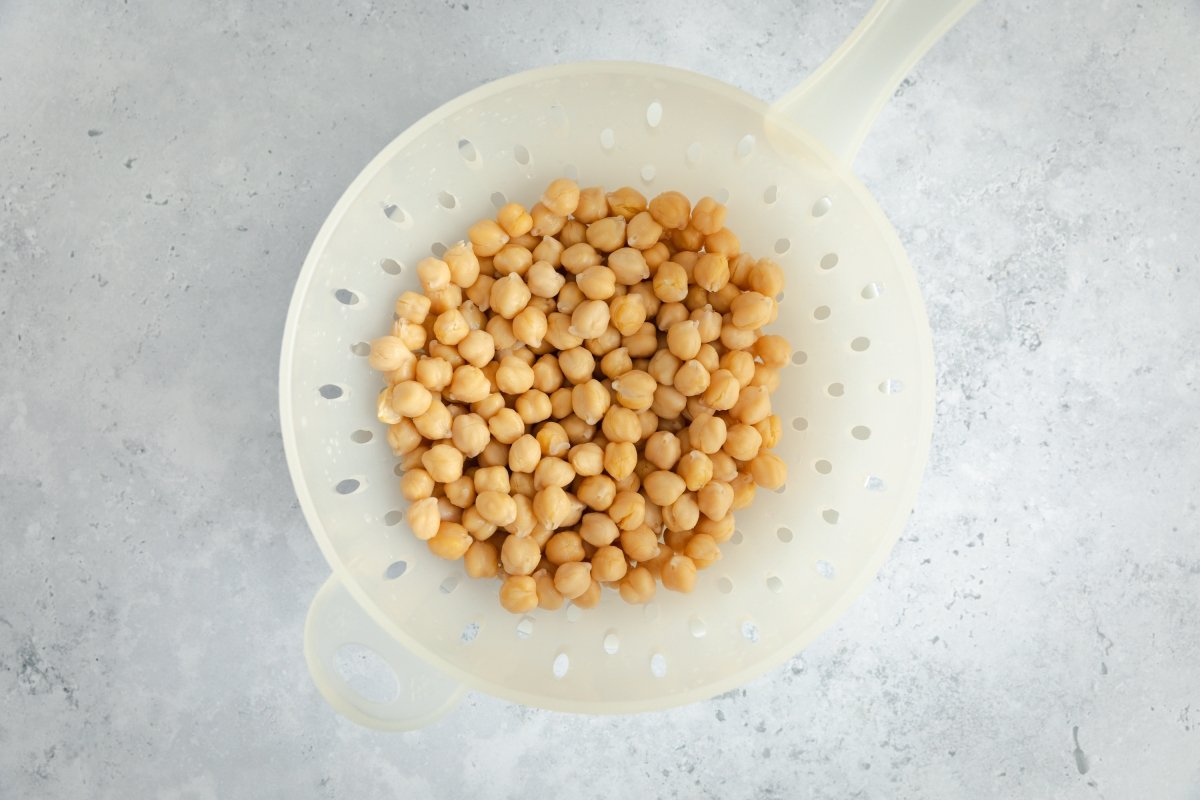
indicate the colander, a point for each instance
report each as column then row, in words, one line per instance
column 856, row 400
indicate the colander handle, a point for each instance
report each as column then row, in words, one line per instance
column 840, row 101
column 335, row 619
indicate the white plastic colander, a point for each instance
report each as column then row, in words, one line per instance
column 856, row 401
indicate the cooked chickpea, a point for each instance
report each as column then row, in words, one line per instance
column 433, row 273
column 435, row 422
column 663, row 488
column 628, row 510
column 388, row 353
column 742, row 442
column 586, row 459
column 634, row 390
column 533, row 407
column 494, row 455
column 642, row 344
column 607, row 234
column 616, row 363
column 626, row 202
column 469, row 385
column 696, row 469
column 590, row 400
column 740, row 364
column 723, row 241
column 608, row 564
column 506, row 426
column 544, row 280
column 638, row 586
column 444, row 299
column 687, row 239
column 592, row 205
column 683, row 339
column 708, row 216
column 411, row 399
column 768, row 470
column 598, row 529
column 679, row 574
column 773, row 350
column 518, row 593
column 627, row 313
column 561, row 196
column 744, row 489
column 580, row 257
column 668, row 402
column 619, row 459
column 724, row 467
column 460, row 492
column 702, row 549
column 412, row 306
column 551, row 506
column 589, row 319
column 643, row 231
column 677, row 539
column 423, row 518
column 451, row 541
column 670, row 282
column 577, row 430
column 513, row 259
column 548, row 597
column 549, row 250
column 480, row 292
column 514, row 376
column 662, row 450
column 597, row 282
column 573, row 578
column 751, row 310
column 692, row 378
column 577, row 364
column 509, row 297
column 715, row 499
column 496, row 507
column 520, row 555
column 766, row 277
column 711, row 272
column 482, row 560
column 722, row 300
column 487, row 237
column 671, row 210
column 597, row 491
column 553, row 439
column 770, row 429
column 722, row 392
column 753, row 405
column 707, row 433
column 564, row 547
column 545, row 221
column 524, row 454
column 640, row 544
column 720, row 529
column 415, row 484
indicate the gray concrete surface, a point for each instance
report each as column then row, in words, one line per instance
column 163, row 168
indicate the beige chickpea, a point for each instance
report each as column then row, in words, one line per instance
column 722, row 300
column 744, row 489
column 514, row 376
column 564, row 547
column 443, row 463
column 544, row 280
column 740, row 364
column 708, row 323
column 735, row 338
column 412, row 306
column 683, row 339
column 551, row 506
column 552, row 471
column 720, row 529
column 450, row 542
column 470, row 434
column 388, row 353
column 411, row 334
column 573, row 232
column 616, row 363
column 559, row 332
column 638, row 586
column 580, row 257
column 687, row 239
column 712, row 272
column 628, row 266
column 573, row 578
column 634, row 390
column 679, row 574
column 589, row 319
column 628, row 510
column 529, row 326
column 773, row 350
column 655, row 565
column 560, row 403
column 724, row 465
column 577, row 430
column 597, row 282
column 487, row 237
column 547, row 375
column 723, row 242
column 577, row 364
column 545, row 221
column 722, row 392
column 463, row 264
column 677, row 539
column 415, row 484
column 482, row 560
column 608, row 564
column 671, row 210
column 553, row 440
column 627, row 313
column 548, row 597
column 702, row 549
column 592, row 205
column 663, row 366
column 442, row 352
column 766, row 277
column 751, row 310
column 770, row 428
column 696, row 469
column 549, row 250
column 411, row 399
column 494, row 455
column 433, row 273
column 461, row 492
column 668, row 402
column 739, row 270
column 692, row 378
column 491, row 479
column 500, row 329
column 643, row 231
column 656, row 255
column 707, row 433
column 708, row 216
column 513, row 259
column 765, row 377
column 520, row 555
column 742, row 442
column 621, row 425
column 663, row 488
column 642, row 344
column 514, row 219
column 506, row 426
column 469, row 385
column 412, row 459
column 477, row 348
column 753, row 405
column 561, row 196
column 645, row 290
column 533, row 407
column 423, row 518
column 526, row 523
column 598, row 529
column 435, row 422
column 619, row 459
column 586, row 459
column 663, row 451
column 496, row 507
column 626, row 202
column 524, row 454
column 597, row 492
column 480, row 292
column 590, row 400
column 715, row 499
column 518, row 593
column 670, row 282
column 768, row 470
column 697, row 299
column 509, row 297
column 640, row 544
column 488, row 406
column 444, row 299
column 607, row 234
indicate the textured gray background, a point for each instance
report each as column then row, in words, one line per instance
column 163, row 169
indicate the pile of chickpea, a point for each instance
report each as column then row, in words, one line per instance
column 580, row 395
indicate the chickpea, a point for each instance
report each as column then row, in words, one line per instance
column 724, row 466
column 586, row 459
column 577, row 430
column 545, row 221
column 423, row 518
column 513, row 259
column 477, row 348
column 663, row 488
column 450, row 542
column 524, row 454
column 520, row 555
column 415, row 484
column 597, row 282
column 628, row 266
column 388, row 353
column 655, row 565
column 687, row 239
column 580, row 257
column 564, row 547
column 551, row 506
column 628, row 510
column 742, row 442
column 724, row 242
column 592, row 205
column 573, row 578
column 643, row 231
column 494, row 455
column 683, row 339
column 638, row 586
column 708, row 216
column 597, row 492
column 488, row 406
column 663, row 451
column 715, row 499
column 470, row 385
column 560, row 403
column 496, row 507
column 707, row 433
column 720, row 529
column 480, row 292
column 561, row 197
column 751, row 310
column 460, row 492
column 577, row 364
column 677, row 540
column 679, row 574
column 506, row 426
column 598, row 529
column 692, row 378
column 645, row 290
column 514, row 376
column 548, row 597
column 640, row 544
column 702, row 549
column 589, row 319
column 533, row 407
column 770, row 429
column 616, row 363
column 433, row 273
column 590, row 597
column 768, row 470
column 526, row 522
column 552, row 472
column 656, row 255
column 412, row 459
column 619, row 459
column 753, row 405
column 411, row 399
column 501, row 332
column 544, row 280
column 518, row 593
column 722, row 392
column 670, row 282
column 626, row 202
column 559, row 332
column 668, row 402
column 627, row 313
column 671, row 210
column 766, row 277
column 444, row 299
column 482, row 560
column 722, row 300
column 487, row 237
column 590, row 400
column 663, row 366
column 634, row 390
column 696, row 469
column 773, row 350
column 708, row 323
column 509, row 297
column 712, row 272
column 412, row 306
column 607, row 234
column 553, row 440
column 642, row 344
column 744, row 489
column 740, row 364
column 608, row 564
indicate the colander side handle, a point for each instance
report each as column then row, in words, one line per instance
column 335, row 619
column 839, row 102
